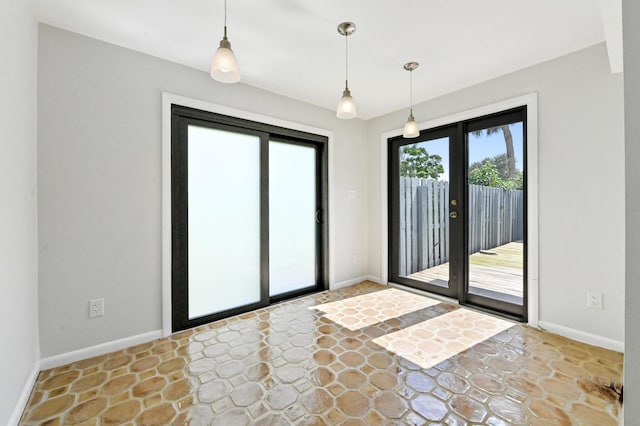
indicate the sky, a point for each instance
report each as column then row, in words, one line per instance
column 479, row 147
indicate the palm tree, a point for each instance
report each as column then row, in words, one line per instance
column 508, row 141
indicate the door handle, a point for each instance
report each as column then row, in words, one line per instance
column 318, row 216
column 453, row 215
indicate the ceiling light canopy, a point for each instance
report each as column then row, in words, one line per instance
column 224, row 66
column 346, row 106
column 410, row 129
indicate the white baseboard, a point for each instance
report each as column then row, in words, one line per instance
column 101, row 349
column 24, row 395
column 582, row 336
column 375, row 279
column 347, row 283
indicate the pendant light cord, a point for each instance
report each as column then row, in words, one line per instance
column 411, row 90
column 346, row 60
column 225, row 19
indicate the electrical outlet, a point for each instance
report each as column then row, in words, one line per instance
column 594, row 300
column 96, row 308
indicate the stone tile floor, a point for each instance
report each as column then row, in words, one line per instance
column 366, row 354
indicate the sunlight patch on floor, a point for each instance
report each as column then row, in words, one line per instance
column 430, row 342
column 365, row 310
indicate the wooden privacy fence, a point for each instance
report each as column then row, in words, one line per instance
column 424, row 224
column 495, row 218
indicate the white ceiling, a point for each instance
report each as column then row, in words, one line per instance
column 292, row 47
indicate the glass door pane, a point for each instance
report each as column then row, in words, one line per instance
column 424, row 212
column 496, row 213
column 292, row 217
column 223, row 220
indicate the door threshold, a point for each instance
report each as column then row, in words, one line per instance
column 446, row 299
column 424, row 293
column 496, row 295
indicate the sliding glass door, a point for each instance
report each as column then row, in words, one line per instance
column 223, row 218
column 457, row 212
column 293, row 224
column 248, row 227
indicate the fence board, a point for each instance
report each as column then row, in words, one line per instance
column 430, row 236
column 422, row 237
column 402, row 246
column 414, row 223
column 442, row 203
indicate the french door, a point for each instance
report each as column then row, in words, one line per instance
column 248, row 215
column 457, row 212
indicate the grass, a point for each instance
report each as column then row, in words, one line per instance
column 507, row 256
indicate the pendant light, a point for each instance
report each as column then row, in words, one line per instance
column 410, row 127
column 346, row 106
column 224, row 66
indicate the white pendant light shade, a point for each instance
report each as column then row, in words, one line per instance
column 410, row 129
column 224, row 66
column 346, row 106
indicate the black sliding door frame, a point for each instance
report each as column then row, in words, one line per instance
column 458, row 201
column 181, row 118
column 322, row 230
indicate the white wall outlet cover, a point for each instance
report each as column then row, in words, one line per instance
column 96, row 307
column 594, row 300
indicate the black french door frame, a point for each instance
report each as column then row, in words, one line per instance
column 510, row 310
column 181, row 118
column 458, row 227
column 455, row 231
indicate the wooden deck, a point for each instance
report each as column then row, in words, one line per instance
column 499, row 270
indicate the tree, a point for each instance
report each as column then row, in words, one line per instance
column 500, row 161
column 485, row 175
column 508, row 141
column 415, row 161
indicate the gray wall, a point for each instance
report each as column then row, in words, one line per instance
column 631, row 17
column 99, row 177
column 581, row 182
column 18, row 224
